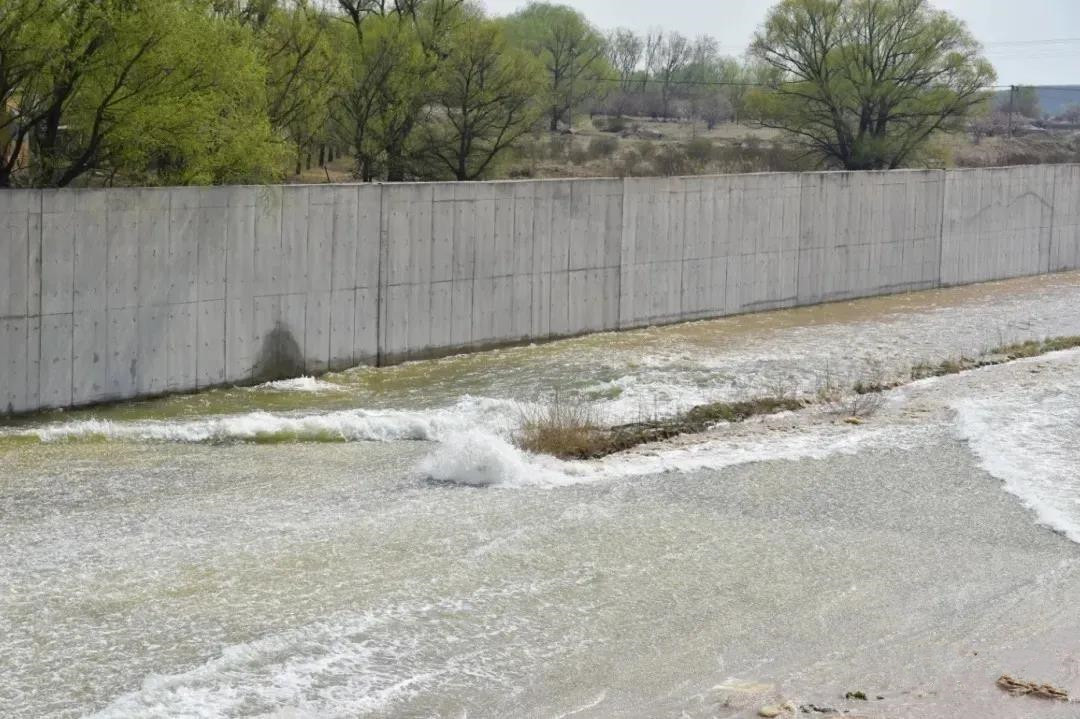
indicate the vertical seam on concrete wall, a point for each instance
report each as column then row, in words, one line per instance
column 453, row 260
column 275, row 351
column 380, row 280
column 682, row 250
column 1053, row 212
column 330, row 299
column 308, row 290
column 619, row 263
column 798, row 242
column 74, row 264
column 569, row 253
column 549, row 255
column 225, row 293
column 198, row 286
column 431, row 272
column 41, row 288
column 108, row 313
column 941, row 228
column 513, row 257
column 476, row 255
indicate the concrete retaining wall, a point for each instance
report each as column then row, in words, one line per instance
column 121, row 293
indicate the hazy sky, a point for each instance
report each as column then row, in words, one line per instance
column 1003, row 26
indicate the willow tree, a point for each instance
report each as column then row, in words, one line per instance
column 303, row 70
column 27, row 46
column 161, row 91
column 865, row 83
column 485, row 100
column 394, row 53
column 573, row 52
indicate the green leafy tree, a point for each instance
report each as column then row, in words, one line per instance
column 385, row 97
column 303, row 70
column 485, row 97
column 865, row 83
column 573, row 53
column 29, row 40
column 396, row 51
column 252, row 13
column 144, row 90
column 217, row 131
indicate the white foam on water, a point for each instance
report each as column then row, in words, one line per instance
column 482, row 459
column 348, row 425
column 479, row 458
column 343, row 425
column 299, row 384
column 810, row 442
column 335, row 668
column 346, row 665
column 1031, row 441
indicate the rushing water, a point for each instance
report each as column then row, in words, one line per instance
column 320, row 547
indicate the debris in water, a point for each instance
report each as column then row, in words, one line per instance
column 1019, row 687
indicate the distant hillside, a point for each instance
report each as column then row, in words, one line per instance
column 1052, row 100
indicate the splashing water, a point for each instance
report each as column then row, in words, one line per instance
column 1030, row 439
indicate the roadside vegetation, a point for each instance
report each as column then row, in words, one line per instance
column 570, row 431
column 113, row 92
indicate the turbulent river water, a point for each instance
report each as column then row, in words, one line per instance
column 370, row 543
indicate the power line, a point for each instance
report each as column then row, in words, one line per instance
column 1055, row 88
column 1026, row 43
column 724, row 83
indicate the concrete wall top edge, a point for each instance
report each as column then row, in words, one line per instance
column 554, row 180
column 1000, row 168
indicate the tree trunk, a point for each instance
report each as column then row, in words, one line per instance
column 395, row 164
column 322, row 155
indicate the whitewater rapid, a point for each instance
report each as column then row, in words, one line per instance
column 1024, row 436
column 373, row 543
column 1028, row 436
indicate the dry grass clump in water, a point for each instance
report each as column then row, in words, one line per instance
column 571, row 431
column 1020, row 350
column 995, row 356
column 561, row 429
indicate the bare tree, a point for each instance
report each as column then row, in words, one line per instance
column 653, row 40
column 672, row 56
column 625, row 50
